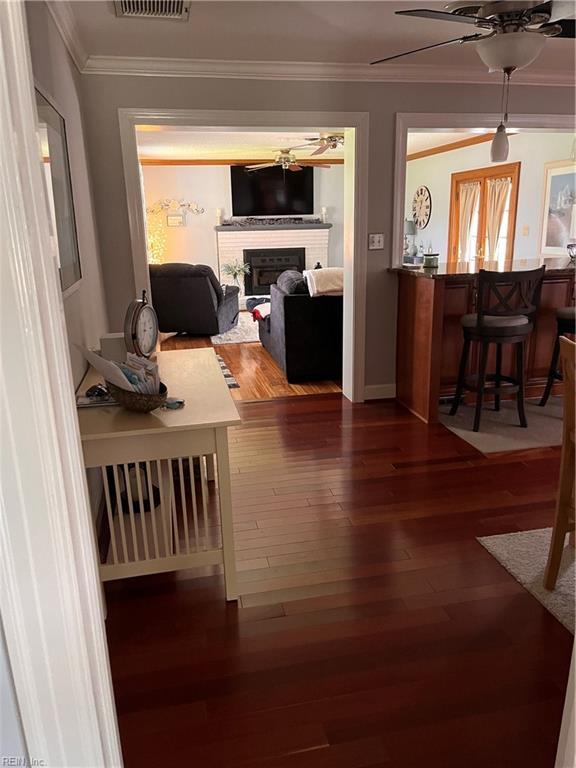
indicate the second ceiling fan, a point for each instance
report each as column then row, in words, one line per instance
column 287, row 160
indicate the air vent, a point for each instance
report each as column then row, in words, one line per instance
column 176, row 10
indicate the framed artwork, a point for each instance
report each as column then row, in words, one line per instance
column 52, row 130
column 175, row 220
column 559, row 208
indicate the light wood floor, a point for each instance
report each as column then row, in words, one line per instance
column 373, row 631
column 253, row 368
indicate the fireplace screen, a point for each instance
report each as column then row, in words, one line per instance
column 267, row 264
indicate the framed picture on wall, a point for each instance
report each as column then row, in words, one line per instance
column 175, row 220
column 559, row 208
column 58, row 185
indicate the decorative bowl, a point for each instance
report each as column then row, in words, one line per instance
column 135, row 401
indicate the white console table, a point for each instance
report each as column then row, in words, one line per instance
column 156, row 468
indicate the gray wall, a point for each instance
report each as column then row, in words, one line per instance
column 104, row 94
column 55, row 73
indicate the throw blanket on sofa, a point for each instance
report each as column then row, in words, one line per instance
column 261, row 311
column 328, row 281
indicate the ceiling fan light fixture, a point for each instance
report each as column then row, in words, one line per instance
column 500, row 146
column 510, row 50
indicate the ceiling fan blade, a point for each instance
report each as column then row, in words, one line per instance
column 258, row 167
column 311, row 143
column 294, row 167
column 320, row 151
column 423, row 13
column 315, row 165
column 465, row 39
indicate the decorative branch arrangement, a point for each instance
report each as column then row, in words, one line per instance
column 176, row 206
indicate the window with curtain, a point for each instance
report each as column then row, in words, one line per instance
column 483, row 217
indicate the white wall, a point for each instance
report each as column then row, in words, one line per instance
column 532, row 150
column 56, row 75
column 329, row 192
column 12, row 743
column 209, row 186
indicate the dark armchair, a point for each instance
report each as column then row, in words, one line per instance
column 189, row 299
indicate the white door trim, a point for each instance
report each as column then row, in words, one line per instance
column 49, row 588
column 355, row 193
column 439, row 121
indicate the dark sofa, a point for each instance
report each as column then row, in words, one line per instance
column 189, row 299
column 303, row 334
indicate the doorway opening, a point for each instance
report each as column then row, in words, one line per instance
column 263, row 182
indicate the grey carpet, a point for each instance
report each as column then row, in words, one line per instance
column 500, row 431
column 524, row 555
column 246, row 330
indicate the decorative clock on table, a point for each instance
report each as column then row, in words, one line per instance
column 141, row 327
column 422, row 207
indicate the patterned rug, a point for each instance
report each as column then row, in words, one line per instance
column 246, row 330
column 230, row 380
column 524, row 555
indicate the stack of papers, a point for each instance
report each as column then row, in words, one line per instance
column 137, row 374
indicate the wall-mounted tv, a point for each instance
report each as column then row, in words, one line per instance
column 272, row 191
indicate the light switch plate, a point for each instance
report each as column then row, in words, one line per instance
column 375, row 241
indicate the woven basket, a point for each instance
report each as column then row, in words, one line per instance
column 135, row 401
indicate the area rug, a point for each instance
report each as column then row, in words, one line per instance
column 246, row 330
column 230, row 380
column 524, row 555
column 500, row 431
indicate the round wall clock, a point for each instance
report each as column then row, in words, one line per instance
column 422, row 207
column 141, row 327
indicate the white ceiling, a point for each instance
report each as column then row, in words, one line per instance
column 350, row 31
column 165, row 142
column 420, row 141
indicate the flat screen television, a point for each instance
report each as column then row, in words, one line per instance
column 272, row 192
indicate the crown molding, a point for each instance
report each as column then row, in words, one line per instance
column 66, row 25
column 314, row 71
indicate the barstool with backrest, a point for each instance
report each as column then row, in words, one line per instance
column 506, row 307
column 565, row 320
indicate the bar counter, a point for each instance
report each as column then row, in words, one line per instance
column 431, row 302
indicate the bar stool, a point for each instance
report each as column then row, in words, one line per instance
column 506, row 306
column 565, row 321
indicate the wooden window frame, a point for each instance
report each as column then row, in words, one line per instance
column 482, row 175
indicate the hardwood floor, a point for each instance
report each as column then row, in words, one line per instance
column 253, row 368
column 373, row 629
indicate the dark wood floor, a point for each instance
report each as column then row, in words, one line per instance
column 373, row 628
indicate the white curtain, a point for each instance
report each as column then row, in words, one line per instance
column 497, row 195
column 469, row 197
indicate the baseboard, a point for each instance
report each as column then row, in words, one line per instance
column 379, row 391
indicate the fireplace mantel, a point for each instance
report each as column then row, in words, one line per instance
column 267, row 227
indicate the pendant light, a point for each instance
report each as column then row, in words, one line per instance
column 499, row 146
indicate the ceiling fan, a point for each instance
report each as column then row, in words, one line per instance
column 513, row 34
column 324, row 143
column 287, row 160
